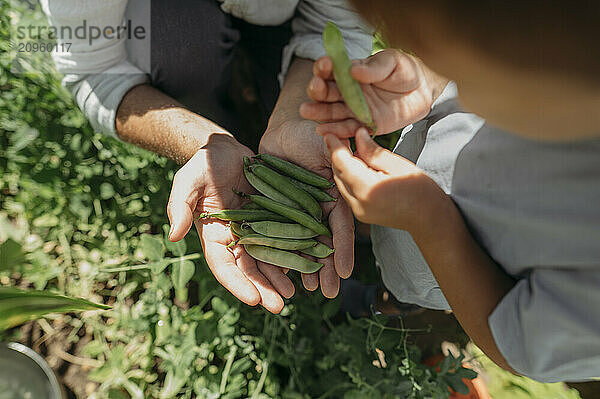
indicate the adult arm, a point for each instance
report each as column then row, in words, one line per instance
column 290, row 136
column 113, row 95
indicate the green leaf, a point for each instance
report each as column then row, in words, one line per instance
column 178, row 248
column 19, row 306
column 152, row 247
column 106, row 191
column 457, row 384
column 94, row 348
column 23, row 137
column 331, row 307
column 174, row 381
column 158, row 266
column 464, row 372
column 181, row 273
column 11, row 255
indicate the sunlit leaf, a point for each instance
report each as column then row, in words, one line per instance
column 182, row 272
column 19, row 306
column 152, row 247
column 11, row 255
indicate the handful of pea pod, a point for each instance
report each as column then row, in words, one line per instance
column 279, row 225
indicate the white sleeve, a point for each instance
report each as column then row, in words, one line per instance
column 309, row 22
column 97, row 71
column 548, row 326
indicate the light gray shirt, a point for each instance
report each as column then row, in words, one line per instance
column 535, row 208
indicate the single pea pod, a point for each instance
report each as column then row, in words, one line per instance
column 251, row 205
column 295, row 171
column 241, row 230
column 284, row 187
column 282, row 258
column 288, row 244
column 318, row 251
column 282, row 230
column 290, row 213
column 245, row 215
column 348, row 86
column 266, row 189
column 316, row 192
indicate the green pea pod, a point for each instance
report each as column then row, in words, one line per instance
column 282, row 258
column 288, row 244
column 245, row 215
column 240, row 230
column 316, row 192
column 266, row 189
column 318, row 251
column 282, row 230
column 251, row 205
column 348, row 86
column 290, row 213
column 293, row 193
column 295, row 171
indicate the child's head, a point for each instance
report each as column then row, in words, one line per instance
column 530, row 66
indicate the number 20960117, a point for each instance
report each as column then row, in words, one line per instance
column 34, row 47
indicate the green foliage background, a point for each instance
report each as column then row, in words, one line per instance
column 84, row 215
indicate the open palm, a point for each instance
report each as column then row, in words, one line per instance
column 297, row 142
column 204, row 184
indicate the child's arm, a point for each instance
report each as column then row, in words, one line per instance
column 386, row 189
column 398, row 87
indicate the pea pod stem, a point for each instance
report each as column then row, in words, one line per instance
column 240, row 215
column 282, row 258
column 240, row 230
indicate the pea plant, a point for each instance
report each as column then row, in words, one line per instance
column 83, row 216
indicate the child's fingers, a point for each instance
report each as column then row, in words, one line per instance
column 352, row 171
column 375, row 68
column 344, row 129
column 320, row 90
column 375, row 156
column 389, row 69
column 344, row 192
column 325, row 112
column 323, row 68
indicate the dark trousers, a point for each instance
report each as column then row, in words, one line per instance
column 216, row 65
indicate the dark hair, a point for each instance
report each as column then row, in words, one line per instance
column 541, row 34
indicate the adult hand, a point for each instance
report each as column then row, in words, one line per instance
column 297, row 141
column 204, row 184
column 398, row 87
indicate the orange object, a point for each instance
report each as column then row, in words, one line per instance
column 477, row 388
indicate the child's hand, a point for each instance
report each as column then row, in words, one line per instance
column 398, row 88
column 381, row 187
